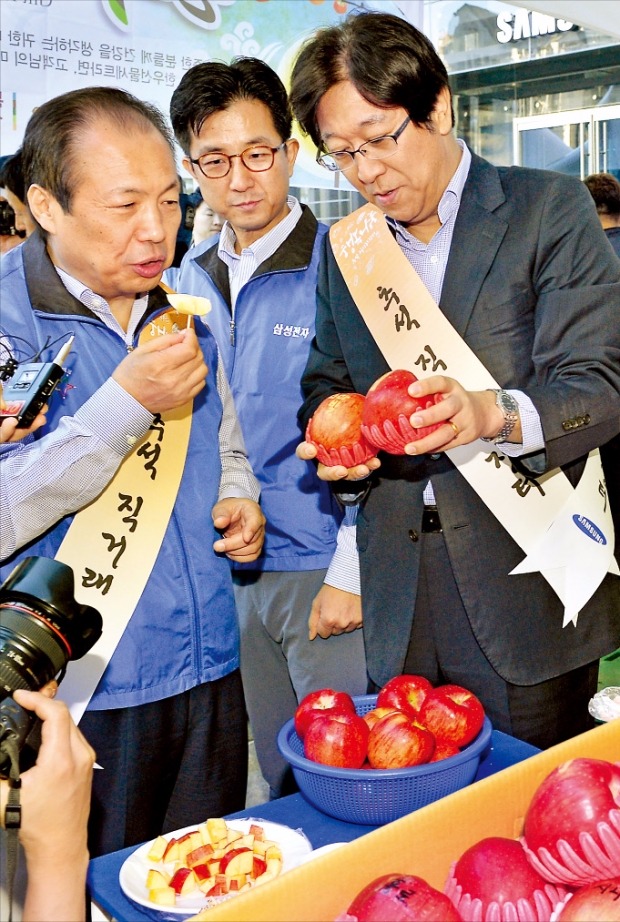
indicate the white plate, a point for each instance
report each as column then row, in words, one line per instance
column 132, row 876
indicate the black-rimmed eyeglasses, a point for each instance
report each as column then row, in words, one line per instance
column 375, row 149
column 257, row 159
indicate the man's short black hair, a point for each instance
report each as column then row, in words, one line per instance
column 605, row 190
column 212, row 87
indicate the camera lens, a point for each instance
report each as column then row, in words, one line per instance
column 32, row 652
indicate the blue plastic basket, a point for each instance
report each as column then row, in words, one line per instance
column 373, row 797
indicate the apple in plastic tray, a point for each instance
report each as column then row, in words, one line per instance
column 387, row 409
column 335, row 430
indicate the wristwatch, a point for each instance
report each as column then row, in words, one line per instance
column 510, row 408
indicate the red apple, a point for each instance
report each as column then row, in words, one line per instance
column 388, row 408
column 319, row 702
column 371, row 717
column 444, row 749
column 183, row 881
column 404, row 692
column 599, row 902
column 398, row 741
column 494, row 880
column 335, row 431
column 401, row 898
column 571, row 831
column 337, row 739
column 452, row 713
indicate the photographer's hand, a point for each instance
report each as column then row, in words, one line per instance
column 55, row 800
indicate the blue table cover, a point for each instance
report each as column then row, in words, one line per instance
column 294, row 811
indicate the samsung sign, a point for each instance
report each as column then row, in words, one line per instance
column 525, row 24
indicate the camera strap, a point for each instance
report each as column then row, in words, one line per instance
column 12, row 817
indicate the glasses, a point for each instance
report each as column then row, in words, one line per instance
column 257, row 159
column 375, row 149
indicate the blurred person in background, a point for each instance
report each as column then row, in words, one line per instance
column 605, row 190
column 207, row 223
column 12, row 182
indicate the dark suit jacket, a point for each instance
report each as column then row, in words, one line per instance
column 534, row 290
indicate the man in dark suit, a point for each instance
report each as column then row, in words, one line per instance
column 517, row 262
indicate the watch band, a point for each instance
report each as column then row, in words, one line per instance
column 510, row 408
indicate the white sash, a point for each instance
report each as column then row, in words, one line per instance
column 112, row 543
column 567, row 533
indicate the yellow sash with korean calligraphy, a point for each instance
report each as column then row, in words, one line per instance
column 112, row 544
column 567, row 533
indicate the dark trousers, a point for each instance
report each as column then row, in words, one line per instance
column 443, row 648
column 166, row 765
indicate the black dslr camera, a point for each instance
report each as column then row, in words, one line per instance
column 42, row 627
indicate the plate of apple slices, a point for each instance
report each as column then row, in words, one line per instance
column 196, row 867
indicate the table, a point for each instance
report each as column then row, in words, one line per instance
column 294, row 811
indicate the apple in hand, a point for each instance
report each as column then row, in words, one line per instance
column 571, row 831
column 401, row 898
column 405, row 693
column 453, row 713
column 493, row 879
column 597, row 902
column 339, row 740
column 323, row 700
column 335, row 430
column 399, row 741
column 388, row 408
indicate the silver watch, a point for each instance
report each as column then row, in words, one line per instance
column 510, row 408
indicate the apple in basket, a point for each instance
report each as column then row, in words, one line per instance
column 453, row 713
column 339, row 740
column 400, row 898
column 321, row 701
column 399, row 741
column 405, row 693
column 388, row 408
column 493, row 879
column 571, row 831
column 336, row 433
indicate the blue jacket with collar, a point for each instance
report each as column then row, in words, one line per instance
column 274, row 322
column 184, row 629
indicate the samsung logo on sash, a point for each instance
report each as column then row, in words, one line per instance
column 589, row 529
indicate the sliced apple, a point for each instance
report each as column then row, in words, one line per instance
column 163, row 896
column 183, row 881
column 172, row 851
column 157, row 880
column 217, row 830
column 237, row 861
column 259, row 866
column 237, row 882
column 199, row 855
column 157, row 849
column 190, row 304
column 257, row 831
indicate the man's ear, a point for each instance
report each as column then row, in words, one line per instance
column 292, row 149
column 44, row 207
column 442, row 111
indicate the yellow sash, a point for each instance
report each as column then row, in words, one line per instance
column 566, row 533
column 112, row 543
